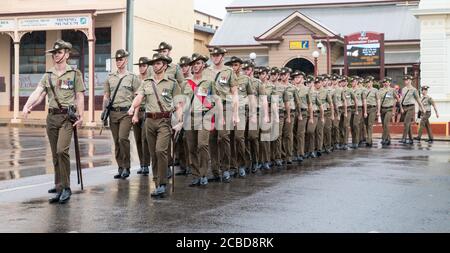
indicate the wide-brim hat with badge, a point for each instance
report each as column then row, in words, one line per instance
column 284, row 70
column 274, row 71
column 387, row 79
column 298, row 73
column 369, row 79
column 184, row 61
column 60, row 44
column 335, row 77
column 163, row 45
column 263, row 69
column 142, row 60
column 318, row 79
column 353, row 78
column 121, row 53
column 425, row 87
column 248, row 64
column 408, row 77
column 197, row 57
column 218, row 50
column 160, row 57
column 234, row 59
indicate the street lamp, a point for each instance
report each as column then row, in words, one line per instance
column 252, row 56
column 316, row 55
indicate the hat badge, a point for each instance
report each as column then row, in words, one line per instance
column 161, row 47
column 119, row 55
column 141, row 62
column 56, row 46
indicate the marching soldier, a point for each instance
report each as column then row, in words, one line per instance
column 246, row 101
column 389, row 97
column 266, row 136
column 360, row 109
column 427, row 102
column 138, row 131
column 339, row 103
column 226, row 86
column 159, row 92
column 64, row 87
column 352, row 111
column 323, row 130
column 253, row 131
column 373, row 109
column 182, row 148
column 279, row 99
column 313, row 118
column 173, row 70
column 409, row 95
column 304, row 109
column 124, row 84
column 292, row 103
column 199, row 92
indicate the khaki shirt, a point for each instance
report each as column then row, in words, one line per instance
column 339, row 96
column 224, row 80
column 372, row 96
column 205, row 90
column 349, row 96
column 127, row 90
column 303, row 94
column 315, row 100
column 269, row 89
column 167, row 89
column 360, row 93
column 259, row 90
column 387, row 96
column 427, row 102
column 244, row 89
column 294, row 100
column 325, row 98
column 409, row 96
column 65, row 86
column 173, row 71
column 280, row 91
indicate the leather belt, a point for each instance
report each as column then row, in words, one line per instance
column 158, row 115
column 387, row 107
column 303, row 110
column 371, row 106
column 408, row 105
column 57, row 111
column 120, row 109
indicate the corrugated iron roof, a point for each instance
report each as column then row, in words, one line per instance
column 397, row 22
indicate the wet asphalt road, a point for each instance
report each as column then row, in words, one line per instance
column 397, row 189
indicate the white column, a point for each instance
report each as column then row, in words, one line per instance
column 91, row 95
column 16, row 83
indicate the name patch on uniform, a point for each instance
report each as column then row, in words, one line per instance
column 223, row 80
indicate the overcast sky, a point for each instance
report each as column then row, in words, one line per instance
column 212, row 7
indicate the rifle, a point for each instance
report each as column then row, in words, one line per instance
column 105, row 114
column 73, row 118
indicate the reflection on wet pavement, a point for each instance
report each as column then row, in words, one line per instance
column 25, row 152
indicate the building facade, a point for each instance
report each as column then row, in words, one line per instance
column 96, row 29
column 204, row 28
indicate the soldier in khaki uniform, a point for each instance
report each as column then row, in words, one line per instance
column 246, row 101
column 373, row 109
column 173, row 70
column 290, row 114
column 159, row 92
column 352, row 111
column 323, row 129
column 279, row 99
column 200, row 94
column 409, row 95
column 266, row 136
column 138, row 128
column 304, row 109
column 181, row 151
column 119, row 120
column 262, row 114
column 340, row 108
column 226, row 86
column 314, row 118
column 427, row 102
column 389, row 97
column 355, row 118
column 64, row 87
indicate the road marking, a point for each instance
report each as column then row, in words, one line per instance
column 24, row 187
